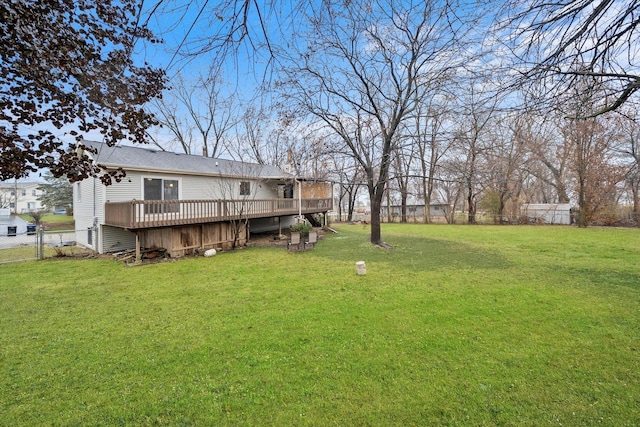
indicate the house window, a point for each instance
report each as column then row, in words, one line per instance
column 24, row 192
column 33, row 192
column 285, row 191
column 78, row 193
column 245, row 188
column 161, row 189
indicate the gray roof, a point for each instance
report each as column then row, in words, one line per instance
column 147, row 159
column 11, row 185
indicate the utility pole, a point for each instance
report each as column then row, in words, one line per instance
column 15, row 196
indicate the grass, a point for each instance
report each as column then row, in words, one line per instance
column 456, row 325
column 23, row 253
column 16, row 254
column 53, row 222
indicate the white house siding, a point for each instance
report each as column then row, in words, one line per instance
column 27, row 196
column 191, row 187
column 267, row 189
column 200, row 187
column 88, row 203
column 89, row 197
column 128, row 189
column 116, row 239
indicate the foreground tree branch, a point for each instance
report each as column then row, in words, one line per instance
column 67, row 68
column 561, row 42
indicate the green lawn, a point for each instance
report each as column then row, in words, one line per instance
column 457, row 325
column 53, row 222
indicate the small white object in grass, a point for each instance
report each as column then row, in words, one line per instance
column 361, row 268
column 210, row 252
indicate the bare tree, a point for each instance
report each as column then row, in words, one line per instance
column 237, row 195
column 433, row 141
column 359, row 71
column 473, row 141
column 253, row 137
column 596, row 177
column 590, row 141
column 5, row 200
column 504, row 172
column 349, row 178
column 198, row 115
column 9, row 196
column 402, row 164
column 451, row 185
column 629, row 151
column 549, row 157
column 562, row 42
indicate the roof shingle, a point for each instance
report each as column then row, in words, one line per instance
column 146, row 159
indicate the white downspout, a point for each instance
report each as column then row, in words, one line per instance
column 299, row 199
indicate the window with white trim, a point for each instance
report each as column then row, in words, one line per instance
column 161, row 189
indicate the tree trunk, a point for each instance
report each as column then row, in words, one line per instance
column 563, row 197
column 389, row 216
column 425, row 198
column 636, row 203
column 340, row 198
column 376, row 235
column 582, row 203
column 471, row 205
column 351, row 207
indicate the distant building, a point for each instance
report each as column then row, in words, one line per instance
column 20, row 197
column 547, row 213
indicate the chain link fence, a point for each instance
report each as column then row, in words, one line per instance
column 32, row 244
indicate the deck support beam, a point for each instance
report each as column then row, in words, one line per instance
column 138, row 255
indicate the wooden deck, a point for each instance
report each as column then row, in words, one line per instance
column 140, row 214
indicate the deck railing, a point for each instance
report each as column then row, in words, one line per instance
column 161, row 213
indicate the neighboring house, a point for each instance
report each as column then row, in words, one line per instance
column 415, row 212
column 184, row 202
column 12, row 225
column 548, row 213
column 20, row 197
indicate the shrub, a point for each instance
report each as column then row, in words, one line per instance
column 302, row 227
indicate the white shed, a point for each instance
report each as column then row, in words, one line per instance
column 548, row 213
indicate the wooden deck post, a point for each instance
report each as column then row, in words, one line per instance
column 138, row 256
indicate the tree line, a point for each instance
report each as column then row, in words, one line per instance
column 477, row 104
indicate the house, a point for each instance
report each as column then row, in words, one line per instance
column 415, row 212
column 548, row 213
column 183, row 202
column 13, row 225
column 20, row 197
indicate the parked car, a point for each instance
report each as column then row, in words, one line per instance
column 60, row 212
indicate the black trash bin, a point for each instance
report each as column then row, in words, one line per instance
column 12, row 230
column 31, row 229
